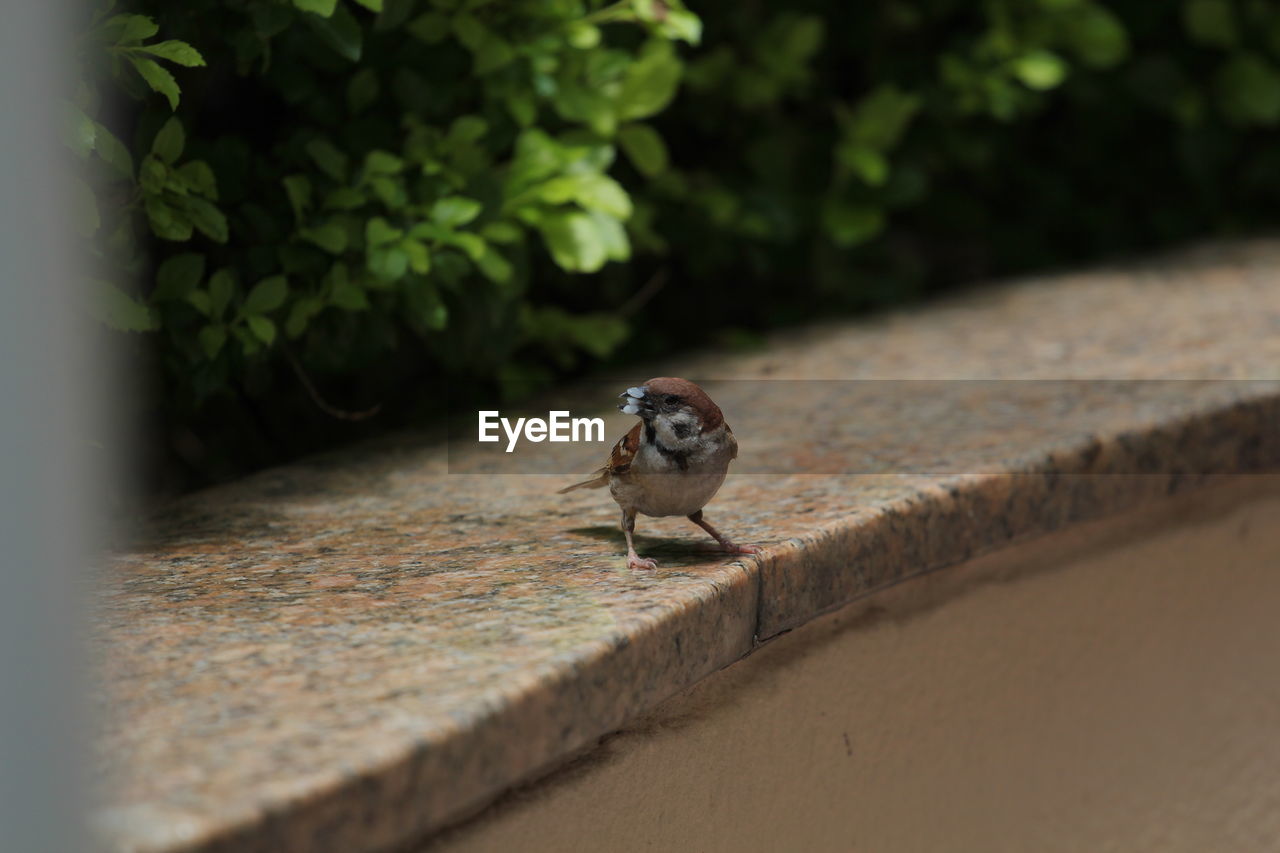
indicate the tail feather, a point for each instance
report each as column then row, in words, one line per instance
column 600, row 479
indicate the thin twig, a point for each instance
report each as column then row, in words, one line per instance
column 644, row 294
column 332, row 411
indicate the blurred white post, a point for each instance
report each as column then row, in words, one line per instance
column 46, row 425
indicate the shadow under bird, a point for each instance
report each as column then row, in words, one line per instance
column 671, row 463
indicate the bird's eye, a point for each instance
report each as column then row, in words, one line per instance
column 670, row 399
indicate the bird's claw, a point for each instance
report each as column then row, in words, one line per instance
column 637, row 562
column 733, row 548
column 728, row 547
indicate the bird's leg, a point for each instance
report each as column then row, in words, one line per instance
column 634, row 560
column 725, row 542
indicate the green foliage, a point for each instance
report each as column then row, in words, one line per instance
column 358, row 187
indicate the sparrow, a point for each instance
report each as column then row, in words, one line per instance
column 671, row 463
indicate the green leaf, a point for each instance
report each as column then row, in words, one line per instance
column 340, row 31
column 152, row 176
column 331, row 237
column 683, row 25
column 175, row 183
column 495, row 53
column 426, row 305
column 120, row 311
column 177, row 52
column 454, row 211
column 362, row 90
column 389, row 264
column 267, row 295
column 574, row 241
column 371, row 5
column 1097, row 36
column 390, row 191
column 332, row 161
column 379, row 162
column 851, row 224
column 344, row 198
column 470, row 31
column 262, row 328
column 865, row 162
column 300, row 314
column 591, row 190
column 348, row 296
column 501, row 232
column 650, row 82
column 167, row 222
column 169, row 141
column 612, row 236
column 222, row 286
column 880, row 118
column 205, row 216
column 430, row 27
column 126, row 29
column 1248, row 89
column 200, row 178
column 523, row 108
column 177, row 276
column 249, row 343
column 158, row 78
column 212, row 339
column 645, row 148
column 419, row 255
column 298, row 189
column 81, row 131
column 377, row 232
column 1210, row 22
column 323, row 8
column 582, row 35
column 466, row 129
column 112, row 151
column 393, row 15
column 581, row 103
column 1040, row 69
column 470, row 243
column 200, row 300
column 494, row 266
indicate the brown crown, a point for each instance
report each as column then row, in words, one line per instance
column 692, row 395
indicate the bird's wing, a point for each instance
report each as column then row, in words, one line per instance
column 625, row 451
column 619, row 462
column 733, row 442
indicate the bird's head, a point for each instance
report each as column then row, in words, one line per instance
column 677, row 402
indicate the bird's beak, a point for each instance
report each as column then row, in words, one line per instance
column 635, row 401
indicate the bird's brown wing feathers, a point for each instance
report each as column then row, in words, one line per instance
column 625, row 451
column 619, row 462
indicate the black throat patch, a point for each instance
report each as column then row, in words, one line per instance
column 681, row 457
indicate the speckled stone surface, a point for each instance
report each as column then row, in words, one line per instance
column 345, row 653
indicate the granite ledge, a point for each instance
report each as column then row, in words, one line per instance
column 350, row 652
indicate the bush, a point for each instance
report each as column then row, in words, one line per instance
column 361, row 200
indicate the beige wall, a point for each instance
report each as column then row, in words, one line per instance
column 1113, row 687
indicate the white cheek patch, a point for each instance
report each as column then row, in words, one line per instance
column 677, row 429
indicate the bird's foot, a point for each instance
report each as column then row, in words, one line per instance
column 635, row 561
column 726, row 546
column 734, row 548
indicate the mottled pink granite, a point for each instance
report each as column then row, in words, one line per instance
column 346, row 653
